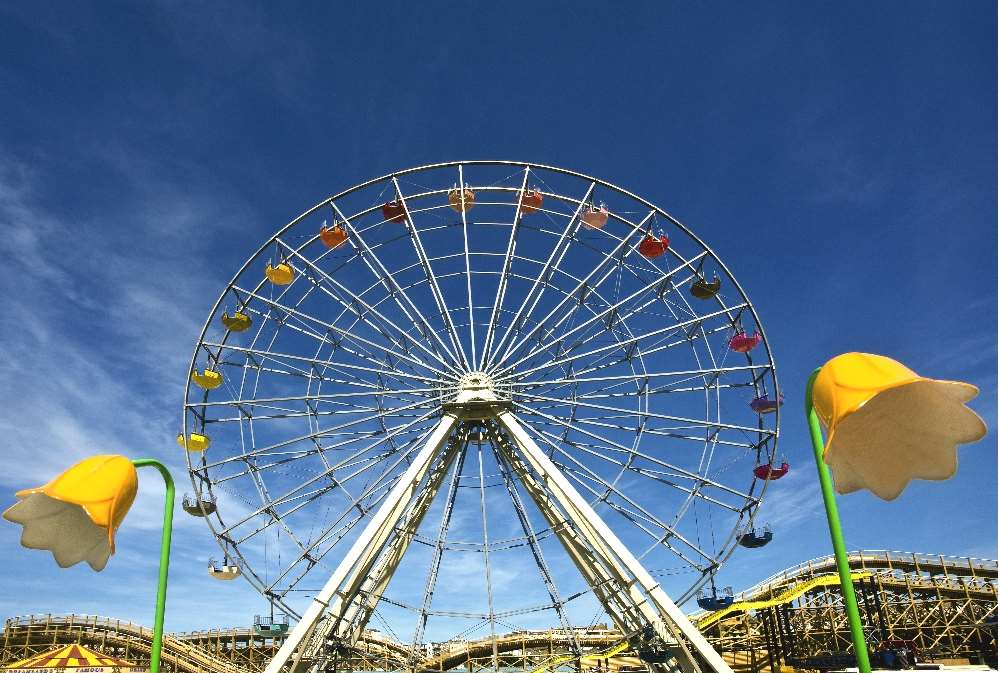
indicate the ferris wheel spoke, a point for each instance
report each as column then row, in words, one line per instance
column 433, row 572
column 382, row 485
column 467, row 266
column 296, row 323
column 302, row 500
column 632, row 515
column 601, row 451
column 554, row 348
column 679, row 471
column 671, row 329
column 542, row 278
column 318, row 397
column 659, row 283
column 357, row 461
column 618, row 254
column 535, row 548
column 385, row 278
column 692, row 422
column 317, row 363
column 376, row 413
column 638, row 376
column 438, row 296
column 318, row 434
column 345, row 333
column 340, row 368
column 355, row 300
column 325, row 474
column 504, row 274
column 639, row 521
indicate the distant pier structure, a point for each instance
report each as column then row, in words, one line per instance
column 928, row 607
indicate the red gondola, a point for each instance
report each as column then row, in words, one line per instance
column 394, row 211
column 652, row 246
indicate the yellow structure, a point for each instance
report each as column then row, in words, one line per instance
column 237, row 322
column 209, row 380
column 69, row 657
column 196, row 442
column 887, row 425
column 76, row 514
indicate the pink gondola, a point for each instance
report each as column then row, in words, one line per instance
column 743, row 343
column 765, row 405
column 770, row 472
column 593, row 217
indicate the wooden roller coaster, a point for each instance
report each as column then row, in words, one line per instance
column 945, row 607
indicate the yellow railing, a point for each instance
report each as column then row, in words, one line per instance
column 785, row 596
column 558, row 661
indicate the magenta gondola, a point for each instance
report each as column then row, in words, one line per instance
column 764, row 405
column 771, row 472
column 742, row 342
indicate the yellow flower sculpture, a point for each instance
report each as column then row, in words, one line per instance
column 887, row 425
column 76, row 514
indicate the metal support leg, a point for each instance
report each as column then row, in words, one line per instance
column 596, row 531
column 371, row 540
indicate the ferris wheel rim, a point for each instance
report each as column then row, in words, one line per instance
column 707, row 251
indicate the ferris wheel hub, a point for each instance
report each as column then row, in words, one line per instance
column 476, row 382
column 476, row 398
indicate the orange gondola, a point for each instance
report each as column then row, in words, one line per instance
column 454, row 199
column 334, row 236
column 530, row 201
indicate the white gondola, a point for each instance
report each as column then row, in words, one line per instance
column 226, row 571
column 198, row 505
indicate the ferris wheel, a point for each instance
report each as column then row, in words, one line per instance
column 475, row 397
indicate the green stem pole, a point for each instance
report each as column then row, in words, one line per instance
column 835, row 529
column 164, row 560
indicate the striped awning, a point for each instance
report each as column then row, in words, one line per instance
column 70, row 657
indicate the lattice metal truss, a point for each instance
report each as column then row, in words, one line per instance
column 942, row 604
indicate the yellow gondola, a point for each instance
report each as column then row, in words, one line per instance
column 196, row 442
column 237, row 322
column 209, row 380
column 282, row 274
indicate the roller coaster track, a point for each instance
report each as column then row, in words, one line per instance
column 786, row 596
column 942, row 602
column 114, row 634
column 602, row 654
column 185, row 652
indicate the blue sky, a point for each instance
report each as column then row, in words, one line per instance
column 842, row 159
